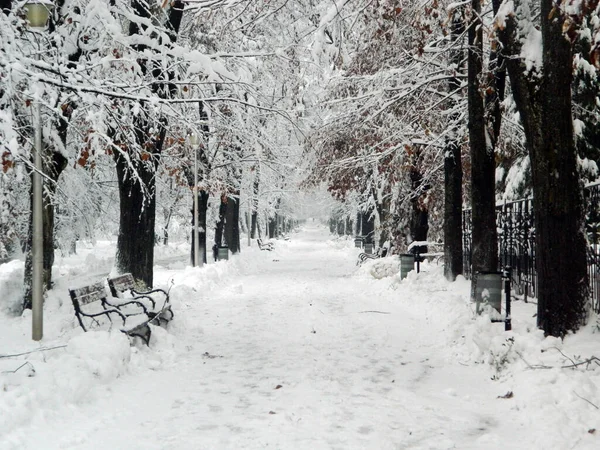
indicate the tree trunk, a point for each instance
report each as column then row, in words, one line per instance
column 484, row 235
column 137, row 202
column 367, row 226
column 495, row 91
column 202, row 209
column 255, row 192
column 558, row 197
column 52, row 170
column 545, row 111
column 254, row 224
column 419, row 220
column 220, row 226
column 232, row 221
column 244, row 224
column 383, row 209
column 168, row 212
column 453, row 173
column 453, row 176
column 272, row 225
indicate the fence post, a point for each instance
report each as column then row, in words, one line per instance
column 507, row 278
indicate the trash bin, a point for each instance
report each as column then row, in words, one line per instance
column 488, row 290
column 358, row 242
column 369, row 247
column 223, row 253
column 407, row 263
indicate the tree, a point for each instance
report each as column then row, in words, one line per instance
column 453, row 173
column 483, row 198
column 543, row 96
column 58, row 109
column 558, row 196
column 386, row 116
column 136, row 176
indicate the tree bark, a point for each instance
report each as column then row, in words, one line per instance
column 220, row 226
column 495, row 91
column 383, row 209
column 137, row 202
column 272, row 225
column 367, row 226
column 202, row 209
column 484, row 235
column 254, row 224
column 419, row 218
column 453, row 176
column 558, row 196
column 545, row 111
column 349, row 226
column 232, row 223
column 255, row 193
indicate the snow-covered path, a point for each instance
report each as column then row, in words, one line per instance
column 295, row 354
column 298, row 351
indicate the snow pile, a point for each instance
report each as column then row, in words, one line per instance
column 41, row 386
column 553, row 385
column 381, row 267
column 11, row 287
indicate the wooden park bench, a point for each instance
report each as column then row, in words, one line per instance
column 380, row 253
column 94, row 308
column 264, row 245
column 437, row 255
column 124, row 285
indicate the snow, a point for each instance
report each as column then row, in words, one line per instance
column 531, row 52
column 291, row 349
column 506, row 9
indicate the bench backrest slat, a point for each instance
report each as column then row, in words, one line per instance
column 121, row 283
column 89, row 294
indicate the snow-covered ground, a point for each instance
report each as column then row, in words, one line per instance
column 294, row 349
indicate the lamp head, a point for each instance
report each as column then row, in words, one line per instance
column 38, row 12
column 194, row 140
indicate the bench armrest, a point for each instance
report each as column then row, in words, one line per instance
column 130, row 302
column 146, row 294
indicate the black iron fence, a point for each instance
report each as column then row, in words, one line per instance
column 592, row 227
column 516, row 243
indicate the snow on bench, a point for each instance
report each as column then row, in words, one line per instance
column 125, row 285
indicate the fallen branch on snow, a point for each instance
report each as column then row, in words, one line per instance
column 585, row 400
column 43, row 349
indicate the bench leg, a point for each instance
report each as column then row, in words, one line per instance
column 163, row 317
column 169, row 314
column 143, row 331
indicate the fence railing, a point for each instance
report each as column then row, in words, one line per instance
column 516, row 243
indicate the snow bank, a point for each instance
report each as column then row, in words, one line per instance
column 11, row 287
column 43, row 383
column 546, row 379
